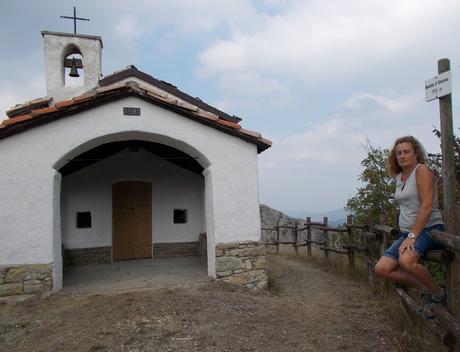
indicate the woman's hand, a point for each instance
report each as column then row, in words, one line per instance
column 407, row 244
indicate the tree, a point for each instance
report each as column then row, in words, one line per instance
column 376, row 196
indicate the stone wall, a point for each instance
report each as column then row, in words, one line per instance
column 20, row 282
column 96, row 255
column 242, row 263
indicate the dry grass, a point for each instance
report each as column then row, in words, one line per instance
column 412, row 335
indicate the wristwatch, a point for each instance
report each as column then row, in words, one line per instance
column 412, row 236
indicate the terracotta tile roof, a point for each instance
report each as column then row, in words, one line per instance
column 33, row 104
column 132, row 71
column 108, row 93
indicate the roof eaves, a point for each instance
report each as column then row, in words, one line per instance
column 101, row 95
column 209, row 119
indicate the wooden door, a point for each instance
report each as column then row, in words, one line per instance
column 132, row 220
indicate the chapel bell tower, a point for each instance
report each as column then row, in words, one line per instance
column 73, row 63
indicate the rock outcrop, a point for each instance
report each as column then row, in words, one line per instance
column 269, row 218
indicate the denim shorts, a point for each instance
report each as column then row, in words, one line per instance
column 423, row 243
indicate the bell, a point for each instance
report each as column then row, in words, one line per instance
column 73, row 69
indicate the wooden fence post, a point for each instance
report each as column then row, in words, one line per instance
column 277, row 238
column 351, row 250
column 383, row 248
column 449, row 189
column 448, row 155
column 295, row 234
column 309, row 237
column 369, row 264
column 382, row 219
column 326, row 239
column 453, row 277
column 371, row 272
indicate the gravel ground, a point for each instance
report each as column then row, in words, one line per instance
column 307, row 308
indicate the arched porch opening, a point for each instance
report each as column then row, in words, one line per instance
column 131, row 196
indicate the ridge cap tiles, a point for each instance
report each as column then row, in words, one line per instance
column 110, row 87
column 229, row 124
column 18, row 119
column 251, row 133
column 64, row 103
column 208, row 115
column 265, row 141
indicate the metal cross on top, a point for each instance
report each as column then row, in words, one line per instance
column 75, row 18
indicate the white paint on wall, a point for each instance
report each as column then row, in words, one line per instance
column 27, row 186
column 90, row 189
column 211, row 243
column 57, row 239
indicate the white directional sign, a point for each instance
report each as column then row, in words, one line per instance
column 438, row 86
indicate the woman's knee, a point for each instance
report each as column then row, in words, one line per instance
column 382, row 269
column 407, row 262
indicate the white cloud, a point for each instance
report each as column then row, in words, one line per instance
column 249, row 86
column 333, row 141
column 318, row 167
column 399, row 104
column 128, row 29
column 19, row 92
column 318, row 40
column 187, row 18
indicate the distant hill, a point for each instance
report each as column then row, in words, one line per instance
column 270, row 217
column 335, row 217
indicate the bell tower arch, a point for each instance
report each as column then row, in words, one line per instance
column 80, row 54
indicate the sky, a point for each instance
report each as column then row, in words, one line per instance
column 317, row 77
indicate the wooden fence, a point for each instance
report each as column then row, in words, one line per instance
column 364, row 239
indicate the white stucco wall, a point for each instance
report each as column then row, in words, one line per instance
column 90, row 189
column 57, row 238
column 28, row 186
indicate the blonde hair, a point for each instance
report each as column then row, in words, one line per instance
column 393, row 166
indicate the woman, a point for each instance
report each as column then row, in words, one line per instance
column 419, row 214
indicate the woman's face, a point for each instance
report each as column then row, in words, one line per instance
column 405, row 155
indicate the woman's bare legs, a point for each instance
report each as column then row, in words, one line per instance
column 410, row 262
column 413, row 274
column 388, row 268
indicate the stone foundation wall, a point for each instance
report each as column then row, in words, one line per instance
column 242, row 263
column 82, row 256
column 20, row 282
column 175, row 249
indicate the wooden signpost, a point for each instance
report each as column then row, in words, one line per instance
column 440, row 87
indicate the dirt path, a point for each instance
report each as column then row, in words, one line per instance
column 308, row 309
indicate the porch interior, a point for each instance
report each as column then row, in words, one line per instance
column 131, row 275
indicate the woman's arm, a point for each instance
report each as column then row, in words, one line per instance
column 425, row 186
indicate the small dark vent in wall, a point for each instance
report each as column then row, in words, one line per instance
column 180, row 216
column 83, row 219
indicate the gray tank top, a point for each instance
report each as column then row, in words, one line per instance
column 407, row 197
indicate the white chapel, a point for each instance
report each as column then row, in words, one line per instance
column 123, row 167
